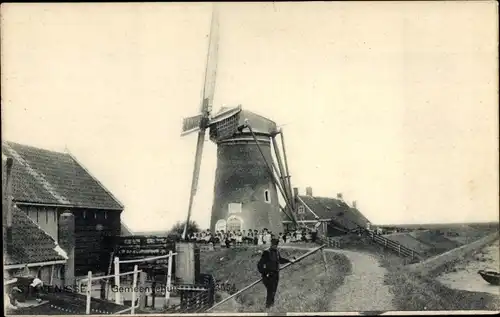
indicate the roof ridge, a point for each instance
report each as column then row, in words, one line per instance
column 8, row 143
column 324, row 197
column 94, row 178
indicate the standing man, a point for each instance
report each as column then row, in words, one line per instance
column 314, row 234
column 269, row 266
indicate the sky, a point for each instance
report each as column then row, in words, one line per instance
column 393, row 104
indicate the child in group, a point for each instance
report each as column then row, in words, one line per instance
column 208, row 237
column 250, row 236
column 217, row 237
column 280, row 238
column 260, row 240
column 243, row 236
column 239, row 237
column 228, row 240
column 255, row 237
column 267, row 237
column 308, row 236
column 232, row 236
column 201, row 238
column 298, row 237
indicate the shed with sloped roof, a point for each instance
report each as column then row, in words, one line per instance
column 334, row 215
column 47, row 183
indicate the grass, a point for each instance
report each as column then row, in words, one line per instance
column 415, row 291
column 304, row 286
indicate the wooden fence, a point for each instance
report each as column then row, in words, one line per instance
column 403, row 251
column 394, row 246
column 329, row 242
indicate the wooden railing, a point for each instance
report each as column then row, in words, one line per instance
column 329, row 242
column 394, row 246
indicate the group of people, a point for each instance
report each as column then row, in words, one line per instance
column 255, row 237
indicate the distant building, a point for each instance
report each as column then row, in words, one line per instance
column 46, row 183
column 332, row 216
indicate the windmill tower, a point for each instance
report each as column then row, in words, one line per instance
column 247, row 178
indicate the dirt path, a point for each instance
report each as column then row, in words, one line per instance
column 363, row 290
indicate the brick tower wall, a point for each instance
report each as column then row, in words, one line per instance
column 243, row 177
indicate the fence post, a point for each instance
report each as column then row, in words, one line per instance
column 142, row 285
column 134, row 286
column 399, row 249
column 117, row 281
column 153, row 293
column 324, row 260
column 89, row 292
column 169, row 279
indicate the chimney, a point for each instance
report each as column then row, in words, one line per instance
column 354, row 205
column 339, row 196
column 66, row 239
column 295, row 191
column 309, row 191
column 7, row 203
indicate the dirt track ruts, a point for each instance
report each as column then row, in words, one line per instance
column 364, row 288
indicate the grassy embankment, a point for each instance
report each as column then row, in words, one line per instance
column 422, row 291
column 304, row 286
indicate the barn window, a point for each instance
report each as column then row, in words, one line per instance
column 95, row 215
column 301, row 210
column 105, row 215
column 267, row 196
column 46, row 215
column 84, row 214
column 37, row 216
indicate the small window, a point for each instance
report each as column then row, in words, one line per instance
column 84, row 214
column 234, row 208
column 105, row 215
column 95, row 215
column 46, row 216
column 267, row 196
column 301, row 210
column 37, row 216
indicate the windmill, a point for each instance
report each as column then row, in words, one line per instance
column 247, row 178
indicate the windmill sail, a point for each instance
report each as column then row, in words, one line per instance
column 191, row 124
column 206, row 107
column 211, row 67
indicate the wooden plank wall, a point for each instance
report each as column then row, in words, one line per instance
column 92, row 253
